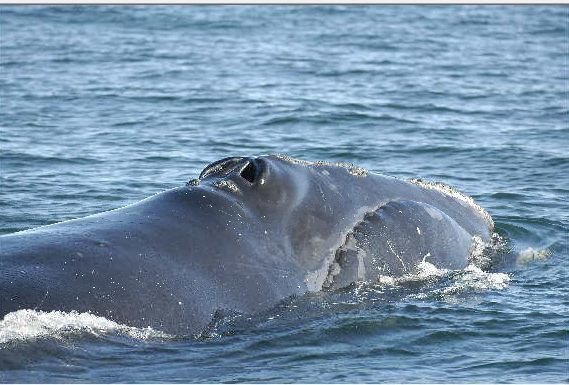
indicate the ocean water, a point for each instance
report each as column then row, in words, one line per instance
column 102, row 106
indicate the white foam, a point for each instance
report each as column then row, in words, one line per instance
column 471, row 279
column 530, row 254
column 476, row 278
column 387, row 280
column 427, row 270
column 485, row 254
column 423, row 271
column 26, row 325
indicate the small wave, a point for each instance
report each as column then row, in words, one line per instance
column 26, row 325
column 451, row 285
column 472, row 279
column 16, row 158
column 423, row 272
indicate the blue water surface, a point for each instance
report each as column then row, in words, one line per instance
column 102, row 106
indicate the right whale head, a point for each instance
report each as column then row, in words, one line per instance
column 305, row 207
column 264, row 185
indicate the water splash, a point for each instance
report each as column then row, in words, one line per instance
column 26, row 325
column 461, row 285
column 489, row 254
column 427, row 282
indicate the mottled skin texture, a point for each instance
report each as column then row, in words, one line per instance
column 245, row 235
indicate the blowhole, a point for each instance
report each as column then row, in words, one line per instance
column 249, row 172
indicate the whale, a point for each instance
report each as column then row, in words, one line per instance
column 244, row 235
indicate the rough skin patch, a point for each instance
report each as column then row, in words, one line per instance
column 350, row 168
column 212, row 170
column 194, row 182
column 226, row 185
column 448, row 190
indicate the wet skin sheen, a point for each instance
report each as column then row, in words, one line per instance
column 245, row 235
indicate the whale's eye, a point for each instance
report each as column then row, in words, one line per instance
column 249, row 172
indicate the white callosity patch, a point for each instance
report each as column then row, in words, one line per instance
column 194, row 182
column 226, row 185
column 31, row 324
column 350, row 168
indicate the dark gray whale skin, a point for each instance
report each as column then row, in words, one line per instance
column 245, row 235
